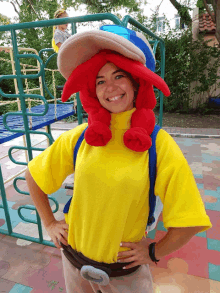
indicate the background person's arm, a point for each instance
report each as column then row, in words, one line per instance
column 59, row 38
column 59, row 45
column 56, row 229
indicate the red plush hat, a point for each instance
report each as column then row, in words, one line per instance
column 82, row 78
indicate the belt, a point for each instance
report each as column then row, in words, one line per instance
column 96, row 272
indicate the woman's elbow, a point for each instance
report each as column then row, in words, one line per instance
column 29, row 179
column 28, row 176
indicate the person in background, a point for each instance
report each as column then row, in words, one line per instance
column 60, row 33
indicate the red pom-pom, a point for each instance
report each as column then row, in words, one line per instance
column 143, row 118
column 137, row 139
column 98, row 134
column 101, row 115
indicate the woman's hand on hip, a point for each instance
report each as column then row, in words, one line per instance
column 57, row 230
column 138, row 253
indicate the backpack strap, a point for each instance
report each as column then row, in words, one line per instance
column 152, row 175
column 76, row 149
column 77, row 146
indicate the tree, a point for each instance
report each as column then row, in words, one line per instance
column 4, row 20
column 213, row 9
column 103, row 6
column 33, row 10
column 183, row 11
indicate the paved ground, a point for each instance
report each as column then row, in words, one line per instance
column 193, row 132
column 175, row 131
column 29, row 267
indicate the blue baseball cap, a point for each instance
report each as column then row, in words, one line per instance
column 137, row 39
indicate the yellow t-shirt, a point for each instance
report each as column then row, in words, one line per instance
column 110, row 201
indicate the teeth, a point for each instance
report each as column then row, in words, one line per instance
column 115, row 98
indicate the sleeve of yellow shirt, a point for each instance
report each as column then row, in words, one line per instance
column 52, row 166
column 176, row 186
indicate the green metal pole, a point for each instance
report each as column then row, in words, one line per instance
column 79, row 105
column 50, row 133
column 5, row 203
column 79, row 109
column 162, row 67
column 21, row 92
column 28, row 238
column 40, row 232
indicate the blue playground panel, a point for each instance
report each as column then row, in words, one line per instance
column 214, row 102
column 16, row 122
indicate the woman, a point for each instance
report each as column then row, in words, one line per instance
column 104, row 249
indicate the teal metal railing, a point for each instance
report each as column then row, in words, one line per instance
column 9, row 230
column 13, row 28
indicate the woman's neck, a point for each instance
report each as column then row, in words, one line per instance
column 121, row 120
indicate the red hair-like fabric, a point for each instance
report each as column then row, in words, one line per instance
column 83, row 80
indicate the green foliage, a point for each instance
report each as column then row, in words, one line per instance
column 183, row 9
column 103, row 6
column 200, row 5
column 4, row 20
column 188, row 61
column 7, row 85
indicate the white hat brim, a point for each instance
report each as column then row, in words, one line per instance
column 81, row 47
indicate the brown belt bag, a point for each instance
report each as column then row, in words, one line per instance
column 97, row 272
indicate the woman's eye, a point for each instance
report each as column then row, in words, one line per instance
column 100, row 82
column 119, row 76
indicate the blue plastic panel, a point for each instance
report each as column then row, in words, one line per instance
column 16, row 122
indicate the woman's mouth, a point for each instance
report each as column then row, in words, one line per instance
column 115, row 98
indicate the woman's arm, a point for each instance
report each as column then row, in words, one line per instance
column 59, row 45
column 172, row 241
column 56, row 229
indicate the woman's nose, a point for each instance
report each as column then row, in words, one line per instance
column 110, row 86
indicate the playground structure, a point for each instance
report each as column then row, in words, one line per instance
column 55, row 112
column 6, row 135
column 27, row 122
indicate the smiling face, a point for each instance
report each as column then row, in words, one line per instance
column 114, row 89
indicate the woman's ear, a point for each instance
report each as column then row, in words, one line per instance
column 136, row 88
column 136, row 85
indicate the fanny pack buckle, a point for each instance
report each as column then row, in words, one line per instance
column 94, row 275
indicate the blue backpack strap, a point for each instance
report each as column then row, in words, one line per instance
column 152, row 174
column 77, row 146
